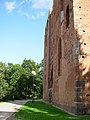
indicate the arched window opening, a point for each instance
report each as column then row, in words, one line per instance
column 59, row 55
column 51, row 79
column 67, row 16
column 62, row 5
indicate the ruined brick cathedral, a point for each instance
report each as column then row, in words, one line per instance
column 67, row 56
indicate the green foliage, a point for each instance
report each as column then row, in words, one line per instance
column 43, row 111
column 16, row 80
column 3, row 82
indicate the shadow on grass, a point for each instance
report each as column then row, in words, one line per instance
column 43, row 111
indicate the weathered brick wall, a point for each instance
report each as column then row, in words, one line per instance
column 46, row 63
column 65, row 86
column 62, row 95
column 82, row 25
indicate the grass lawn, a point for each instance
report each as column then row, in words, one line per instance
column 43, row 111
column 2, row 102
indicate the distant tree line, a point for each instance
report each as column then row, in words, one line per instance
column 16, row 80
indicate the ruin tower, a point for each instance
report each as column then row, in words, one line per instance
column 67, row 56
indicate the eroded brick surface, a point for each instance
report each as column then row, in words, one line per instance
column 67, row 56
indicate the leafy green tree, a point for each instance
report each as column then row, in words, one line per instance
column 40, row 78
column 29, row 66
column 16, row 80
column 12, row 75
column 3, row 82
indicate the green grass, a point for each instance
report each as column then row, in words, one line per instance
column 43, row 111
column 2, row 102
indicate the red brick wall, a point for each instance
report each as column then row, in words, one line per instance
column 82, row 25
column 74, row 43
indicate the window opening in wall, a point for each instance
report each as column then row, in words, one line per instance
column 59, row 55
column 50, row 82
column 45, row 40
column 67, row 16
column 50, row 86
column 62, row 5
column 51, row 78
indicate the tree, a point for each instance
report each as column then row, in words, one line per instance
column 16, row 81
column 3, row 83
column 40, row 78
column 29, row 66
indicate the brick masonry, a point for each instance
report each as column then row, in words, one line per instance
column 67, row 56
